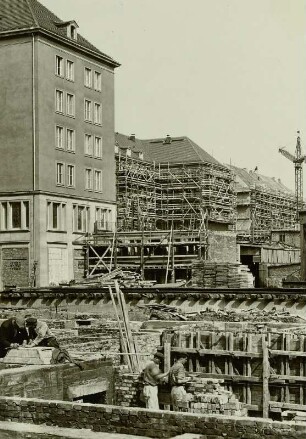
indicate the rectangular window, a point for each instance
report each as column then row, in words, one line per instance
column 98, row 113
column 70, row 105
column 98, row 181
column 98, row 147
column 101, row 218
column 59, row 134
column 97, row 81
column 70, row 140
column 14, row 215
column 59, row 66
column 88, row 179
column 70, row 70
column 60, row 174
column 70, row 175
column 88, row 110
column 88, row 77
column 56, row 215
column 59, row 101
column 81, row 218
column 88, row 144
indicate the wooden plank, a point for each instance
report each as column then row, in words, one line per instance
column 198, row 346
column 249, row 368
column 287, row 366
column 167, row 363
column 286, row 353
column 265, row 377
column 229, row 378
column 219, row 352
column 286, row 406
column 292, row 378
column 124, row 344
column 302, row 393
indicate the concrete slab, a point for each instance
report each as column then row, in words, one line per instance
column 37, row 355
column 15, row 430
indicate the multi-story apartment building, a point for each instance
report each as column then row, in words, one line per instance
column 57, row 167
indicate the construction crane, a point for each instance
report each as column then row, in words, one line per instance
column 298, row 160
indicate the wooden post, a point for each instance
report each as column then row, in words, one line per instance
column 302, row 342
column 198, row 346
column 287, row 367
column 172, row 257
column 265, row 378
column 167, row 362
column 190, row 360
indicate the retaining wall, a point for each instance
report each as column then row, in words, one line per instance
column 155, row 424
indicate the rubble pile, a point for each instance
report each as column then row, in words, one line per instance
column 127, row 279
column 166, row 312
column 221, row 275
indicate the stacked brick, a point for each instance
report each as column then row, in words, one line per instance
column 207, row 396
column 221, row 275
column 128, row 388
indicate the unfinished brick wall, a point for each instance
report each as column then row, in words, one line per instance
column 137, row 421
column 15, row 266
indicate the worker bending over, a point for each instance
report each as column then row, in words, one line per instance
column 40, row 334
column 152, row 377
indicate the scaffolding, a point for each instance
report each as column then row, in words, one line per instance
column 176, row 195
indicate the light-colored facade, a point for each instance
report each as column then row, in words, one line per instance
column 57, row 167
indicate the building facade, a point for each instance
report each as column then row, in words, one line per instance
column 57, row 167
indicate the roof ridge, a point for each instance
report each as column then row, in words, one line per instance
column 32, row 13
column 193, row 147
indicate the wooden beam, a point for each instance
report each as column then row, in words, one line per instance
column 265, row 377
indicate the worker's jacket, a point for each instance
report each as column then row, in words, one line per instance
column 11, row 333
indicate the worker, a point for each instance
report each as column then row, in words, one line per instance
column 152, row 377
column 178, row 379
column 12, row 334
column 40, row 334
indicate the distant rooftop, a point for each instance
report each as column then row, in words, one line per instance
column 248, row 179
column 22, row 15
column 166, row 150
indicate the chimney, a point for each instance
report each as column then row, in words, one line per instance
column 167, row 140
column 132, row 137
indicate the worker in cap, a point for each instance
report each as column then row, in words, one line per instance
column 152, row 377
column 12, row 334
column 40, row 334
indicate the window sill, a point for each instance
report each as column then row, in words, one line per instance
column 98, row 158
column 79, row 233
column 59, row 112
column 15, row 231
column 88, row 155
column 72, row 116
column 70, row 80
column 98, row 124
column 71, row 151
column 59, row 76
column 59, row 149
column 88, row 190
column 70, row 187
column 96, row 89
column 60, row 185
column 56, row 231
column 88, row 86
column 88, row 121
column 98, row 192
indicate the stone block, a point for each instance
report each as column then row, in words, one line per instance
column 22, row 356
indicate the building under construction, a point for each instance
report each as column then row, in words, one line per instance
column 176, row 203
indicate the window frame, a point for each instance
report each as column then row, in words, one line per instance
column 71, row 150
column 62, row 148
column 98, row 156
column 90, row 179
column 99, row 82
column 87, row 69
column 72, row 70
column 99, row 106
column 63, row 173
column 62, row 94
column 61, row 216
column 6, row 215
column 99, row 172
column 85, row 219
column 61, row 67
column 86, row 152
column 72, row 166
column 72, row 114
column 89, row 101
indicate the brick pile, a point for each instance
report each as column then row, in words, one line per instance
column 221, row 275
column 209, row 397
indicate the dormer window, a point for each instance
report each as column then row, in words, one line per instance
column 73, row 32
column 71, row 28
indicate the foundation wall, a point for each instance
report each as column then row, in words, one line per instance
column 137, row 421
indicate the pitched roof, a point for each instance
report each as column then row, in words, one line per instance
column 251, row 179
column 180, row 150
column 29, row 14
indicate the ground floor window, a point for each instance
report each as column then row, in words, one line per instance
column 56, row 215
column 14, row 215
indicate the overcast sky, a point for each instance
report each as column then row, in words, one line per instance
column 230, row 74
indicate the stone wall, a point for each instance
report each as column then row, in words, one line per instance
column 155, row 424
column 56, row 381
